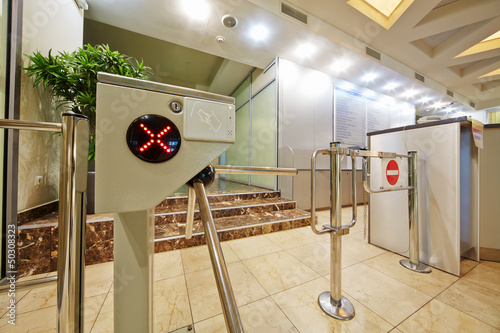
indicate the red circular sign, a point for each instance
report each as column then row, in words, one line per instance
column 392, row 172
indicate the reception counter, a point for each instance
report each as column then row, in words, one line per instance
column 448, row 193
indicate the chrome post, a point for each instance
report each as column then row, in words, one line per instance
column 228, row 302
column 190, row 213
column 332, row 302
column 413, row 263
column 72, row 216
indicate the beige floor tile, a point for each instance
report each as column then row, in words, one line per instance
column 439, row 317
column 466, row 265
column 204, row 297
column 251, row 247
column 171, row 305
column 486, row 274
column 38, row 299
column 260, row 316
column 395, row 330
column 306, row 231
column 300, row 304
column 477, row 301
column 279, row 271
column 104, row 320
column 98, row 279
column 167, row 264
column 214, row 324
column 45, row 319
column 317, row 257
column 289, row 239
column 198, row 258
column 431, row 284
column 360, row 250
column 5, row 301
column 392, row 300
column 32, row 277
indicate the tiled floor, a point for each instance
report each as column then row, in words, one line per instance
column 276, row 280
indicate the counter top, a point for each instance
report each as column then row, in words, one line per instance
column 432, row 123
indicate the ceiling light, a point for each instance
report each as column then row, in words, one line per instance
column 341, row 65
column 391, row 86
column 410, row 93
column 369, row 77
column 306, row 50
column 198, row 10
column 259, row 32
column 425, row 100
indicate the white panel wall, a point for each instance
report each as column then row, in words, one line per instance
column 47, row 24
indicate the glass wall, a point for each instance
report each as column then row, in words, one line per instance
column 255, row 143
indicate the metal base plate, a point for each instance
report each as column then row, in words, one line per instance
column 342, row 311
column 420, row 268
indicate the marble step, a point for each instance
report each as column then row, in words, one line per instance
column 235, row 215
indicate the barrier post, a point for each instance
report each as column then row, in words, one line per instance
column 413, row 263
column 72, row 217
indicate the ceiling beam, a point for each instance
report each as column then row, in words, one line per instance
column 472, row 73
column 453, row 16
column 466, row 38
column 474, row 57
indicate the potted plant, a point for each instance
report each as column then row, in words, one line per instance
column 72, row 79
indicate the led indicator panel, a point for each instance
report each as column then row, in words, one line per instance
column 153, row 138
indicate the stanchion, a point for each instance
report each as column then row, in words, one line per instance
column 332, row 302
column 72, row 215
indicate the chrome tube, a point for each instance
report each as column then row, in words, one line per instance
column 190, row 212
column 335, row 222
column 31, row 284
column 251, row 170
column 30, row 125
column 412, row 208
column 313, row 194
column 354, row 193
column 72, row 216
column 228, row 302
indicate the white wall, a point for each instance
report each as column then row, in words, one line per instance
column 47, row 24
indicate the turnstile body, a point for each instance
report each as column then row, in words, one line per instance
column 151, row 139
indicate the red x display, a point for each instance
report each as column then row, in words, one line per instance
column 153, row 138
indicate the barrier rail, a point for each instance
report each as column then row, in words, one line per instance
column 196, row 192
column 72, row 215
column 413, row 263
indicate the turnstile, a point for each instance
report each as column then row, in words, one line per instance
column 151, row 139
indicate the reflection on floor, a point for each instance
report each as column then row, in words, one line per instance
column 277, row 278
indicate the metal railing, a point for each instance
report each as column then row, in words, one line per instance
column 72, row 215
column 413, row 263
column 196, row 192
column 332, row 302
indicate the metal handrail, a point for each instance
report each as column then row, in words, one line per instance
column 30, row 284
column 254, row 170
column 333, row 151
column 30, row 125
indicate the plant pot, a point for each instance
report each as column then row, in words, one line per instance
column 90, row 192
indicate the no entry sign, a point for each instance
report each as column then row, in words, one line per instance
column 392, row 174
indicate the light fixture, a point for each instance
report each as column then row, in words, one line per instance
column 410, row 93
column 391, row 86
column 197, row 10
column 369, row 77
column 259, row 33
column 425, row 100
column 220, row 39
column 340, row 65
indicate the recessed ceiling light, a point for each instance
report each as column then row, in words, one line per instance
column 410, row 93
column 196, row 9
column 341, row 65
column 259, row 32
column 369, row 77
column 229, row 21
column 391, row 86
column 425, row 100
